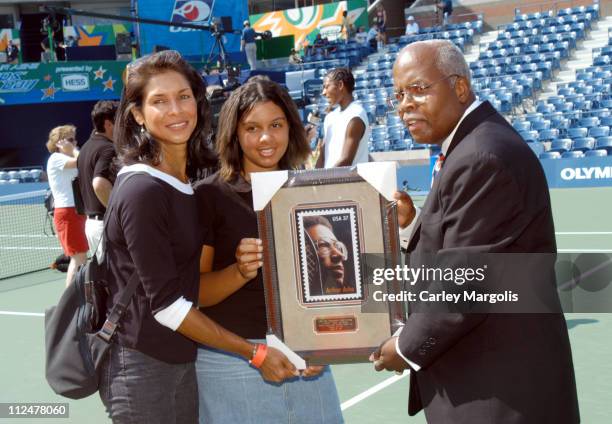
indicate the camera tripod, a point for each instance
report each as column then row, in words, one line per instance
column 222, row 54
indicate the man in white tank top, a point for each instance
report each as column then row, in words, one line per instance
column 346, row 127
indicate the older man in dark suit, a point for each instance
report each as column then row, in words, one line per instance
column 489, row 195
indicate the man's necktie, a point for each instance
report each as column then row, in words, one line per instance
column 437, row 167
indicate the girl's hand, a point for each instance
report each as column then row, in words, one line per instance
column 249, row 257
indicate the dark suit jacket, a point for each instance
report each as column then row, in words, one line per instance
column 490, row 195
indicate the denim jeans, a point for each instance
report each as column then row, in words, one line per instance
column 136, row 388
column 231, row 392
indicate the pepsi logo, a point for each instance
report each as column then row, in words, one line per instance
column 191, row 11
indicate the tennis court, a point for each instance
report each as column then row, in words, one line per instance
column 583, row 224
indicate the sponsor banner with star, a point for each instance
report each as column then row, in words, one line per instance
column 29, row 83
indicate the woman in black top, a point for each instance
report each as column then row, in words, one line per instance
column 160, row 129
column 259, row 130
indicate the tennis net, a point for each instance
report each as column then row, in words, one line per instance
column 27, row 242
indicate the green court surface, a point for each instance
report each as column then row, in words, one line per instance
column 583, row 224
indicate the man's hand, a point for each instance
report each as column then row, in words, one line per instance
column 405, row 208
column 387, row 358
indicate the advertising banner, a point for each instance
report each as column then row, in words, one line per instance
column 190, row 42
column 95, row 35
column 581, row 172
column 9, row 34
column 29, row 83
column 306, row 22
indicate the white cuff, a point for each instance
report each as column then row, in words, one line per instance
column 173, row 315
column 405, row 233
column 412, row 365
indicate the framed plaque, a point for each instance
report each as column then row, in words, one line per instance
column 318, row 228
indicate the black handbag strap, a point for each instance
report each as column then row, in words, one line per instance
column 112, row 321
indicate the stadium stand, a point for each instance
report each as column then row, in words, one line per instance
column 20, row 175
column 526, row 69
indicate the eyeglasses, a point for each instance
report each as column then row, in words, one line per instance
column 324, row 247
column 417, row 92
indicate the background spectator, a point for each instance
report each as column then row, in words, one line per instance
column 381, row 20
column 61, row 170
column 411, row 26
column 247, row 43
column 95, row 174
column 12, row 53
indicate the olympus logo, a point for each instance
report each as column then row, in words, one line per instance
column 593, row 173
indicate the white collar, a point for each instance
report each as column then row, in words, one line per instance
column 167, row 178
column 447, row 141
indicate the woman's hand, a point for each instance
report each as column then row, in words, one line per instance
column 66, row 147
column 249, row 257
column 277, row 367
column 313, row 371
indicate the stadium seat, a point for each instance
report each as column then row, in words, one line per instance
column 24, row 175
column 550, row 155
column 561, row 145
column 13, row 175
column 604, row 143
column 522, row 125
column 4, row 176
column 572, row 155
column 606, row 120
column 596, row 153
column 312, row 89
column 540, row 125
column 591, row 121
column 537, row 147
column 597, row 132
column 548, row 135
column 593, row 9
column 545, row 108
column 577, row 132
column 529, row 136
column 584, row 144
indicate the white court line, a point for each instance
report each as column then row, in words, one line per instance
column 24, row 236
column 29, row 248
column 584, row 250
column 361, row 396
column 583, row 233
column 23, row 314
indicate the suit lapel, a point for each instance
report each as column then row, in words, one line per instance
column 467, row 126
column 470, row 122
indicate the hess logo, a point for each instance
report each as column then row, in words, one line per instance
column 75, row 82
column 191, row 11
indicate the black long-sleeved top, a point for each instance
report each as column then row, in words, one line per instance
column 227, row 216
column 153, row 229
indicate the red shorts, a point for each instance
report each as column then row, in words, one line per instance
column 70, row 227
